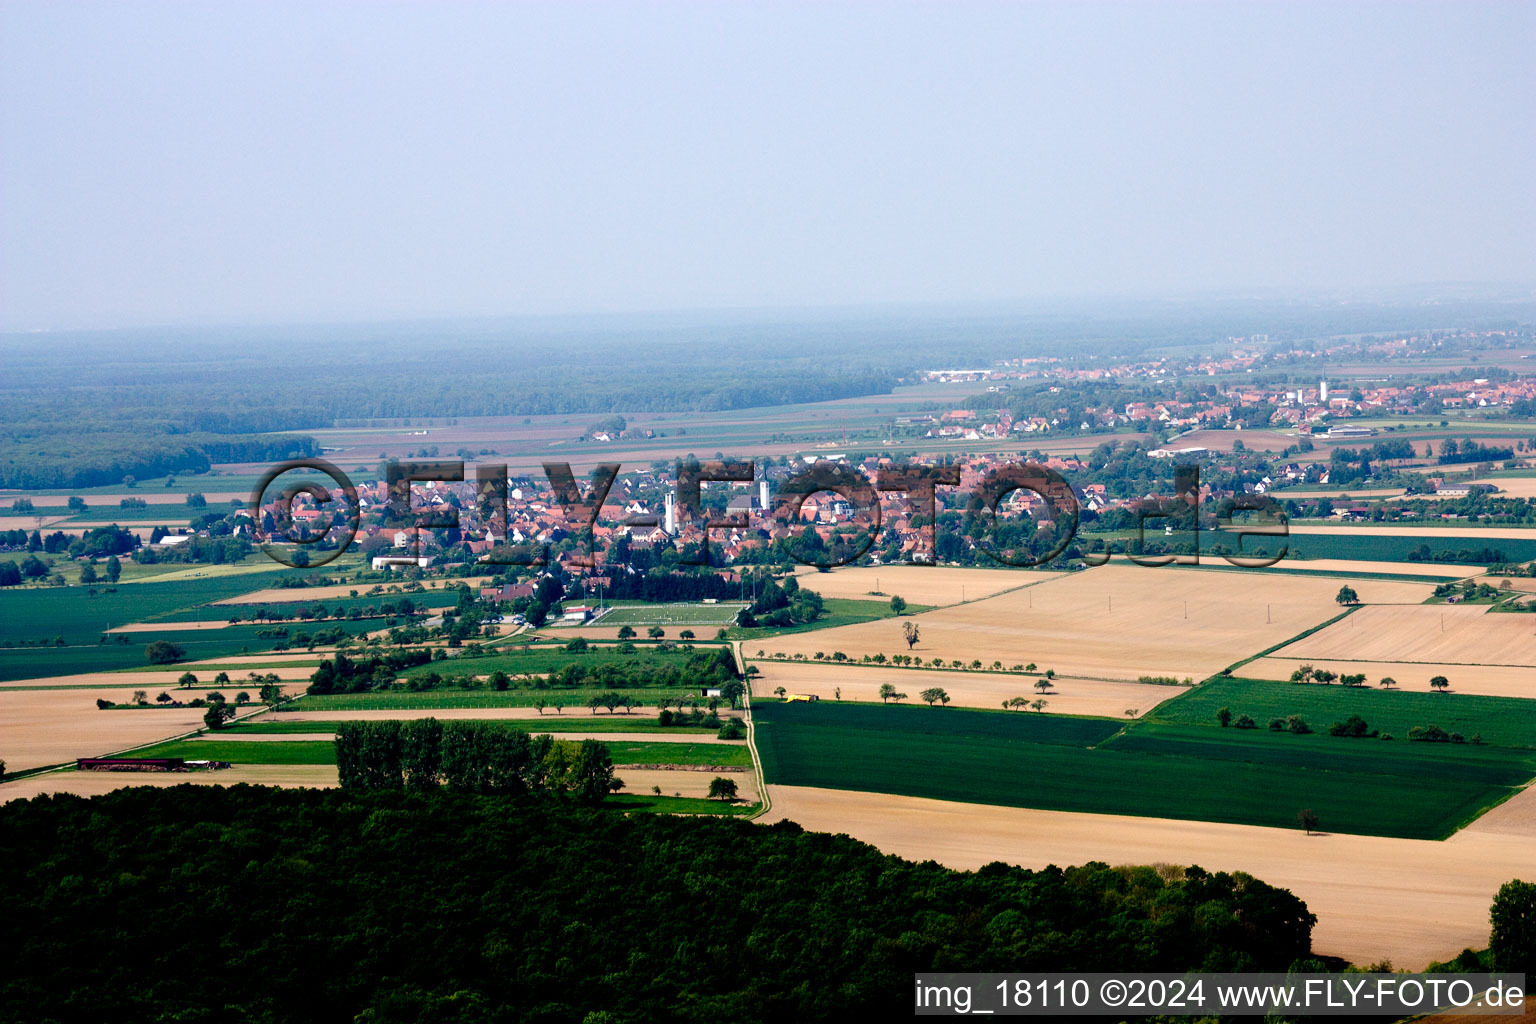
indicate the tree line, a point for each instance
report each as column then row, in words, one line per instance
column 470, row 757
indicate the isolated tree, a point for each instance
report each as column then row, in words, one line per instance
column 1307, row 819
column 932, row 695
column 887, row 691
column 242, row 698
column 722, row 789
column 88, row 573
column 1039, row 705
column 140, row 697
column 217, row 714
column 163, row 652
column 540, row 705
column 1131, row 712
column 1050, row 673
column 686, row 634
column 1042, row 685
column 898, row 604
column 1512, row 940
column 115, row 569
column 1347, row 595
column 187, row 679
column 732, row 690
column 593, row 702
column 164, row 697
column 1439, row 683
column 779, row 692
column 911, row 632
column 1387, row 682
column 655, row 632
column 222, row 677
column 1224, row 716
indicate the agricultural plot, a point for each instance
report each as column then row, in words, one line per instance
column 81, row 617
column 1441, row 634
column 1375, row 898
column 683, row 614
column 323, row 751
column 43, row 727
column 89, row 784
column 199, row 645
column 1089, row 765
column 540, row 659
column 966, row 689
column 1481, row 680
column 1504, row 722
column 332, row 592
column 918, row 584
column 406, row 700
column 1394, row 544
column 1117, row 622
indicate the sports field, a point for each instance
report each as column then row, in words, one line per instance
column 689, row 614
column 1149, row 769
column 1116, row 622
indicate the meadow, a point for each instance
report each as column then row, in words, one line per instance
column 540, row 659
column 1099, row 766
column 585, row 723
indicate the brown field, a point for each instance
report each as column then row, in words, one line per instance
column 1524, row 584
column 1443, row 634
column 1409, row 901
column 153, row 627
column 1369, row 492
column 290, row 594
column 919, row 584
column 96, row 783
column 679, row 736
column 966, row 689
column 142, row 532
column 1222, row 440
column 683, row 783
column 1514, row 486
column 1116, row 622
column 1495, row 681
column 39, row 727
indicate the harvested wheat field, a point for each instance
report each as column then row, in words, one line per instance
column 918, row 584
column 39, row 727
column 1514, row 817
column 1116, row 622
column 966, row 689
column 1514, row 486
column 1444, row 634
column 1405, row 900
column 97, row 783
column 1486, row 681
column 684, row 783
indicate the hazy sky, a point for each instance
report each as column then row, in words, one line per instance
column 197, row 163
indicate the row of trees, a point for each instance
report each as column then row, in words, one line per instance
column 470, row 757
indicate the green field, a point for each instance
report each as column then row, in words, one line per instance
column 81, row 617
column 839, row 611
column 542, row 659
column 38, row 662
column 1410, row 790
column 602, row 722
column 324, row 752
column 1501, row 721
column 1383, row 548
column 670, row 615
column 406, row 699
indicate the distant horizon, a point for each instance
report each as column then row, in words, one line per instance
column 1428, row 294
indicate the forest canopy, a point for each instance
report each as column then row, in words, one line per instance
column 260, row 904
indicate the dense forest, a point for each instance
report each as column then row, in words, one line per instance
column 204, row 903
